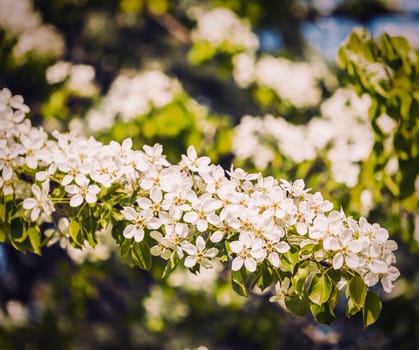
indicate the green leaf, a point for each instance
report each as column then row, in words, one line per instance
column 126, row 253
column 372, row 309
column 76, row 232
column 290, row 259
column 320, row 289
column 265, row 279
column 352, row 308
column 2, row 212
column 300, row 277
column 117, row 231
column 170, row 266
column 309, row 249
column 323, row 313
column 357, row 290
column 17, row 230
column 298, row 305
column 4, row 229
column 200, row 52
column 141, row 256
column 238, row 281
column 35, row 239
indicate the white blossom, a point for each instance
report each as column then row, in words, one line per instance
column 221, row 26
column 40, row 204
column 82, row 191
column 199, row 254
column 249, row 251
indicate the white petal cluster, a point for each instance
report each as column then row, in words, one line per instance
column 363, row 247
column 296, row 82
column 19, row 18
column 222, row 28
column 130, row 97
column 342, row 134
column 193, row 209
column 80, row 77
column 40, row 203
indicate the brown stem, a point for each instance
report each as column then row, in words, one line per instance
column 172, row 25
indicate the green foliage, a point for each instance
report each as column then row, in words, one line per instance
column 387, row 69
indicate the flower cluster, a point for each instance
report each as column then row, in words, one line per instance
column 223, row 30
column 19, row 18
column 79, row 77
column 140, row 93
column 296, row 82
column 342, row 133
column 192, row 211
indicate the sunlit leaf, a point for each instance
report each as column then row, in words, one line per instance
column 319, row 289
column 238, row 281
column 298, row 305
column 357, row 290
column 322, row 313
column 372, row 309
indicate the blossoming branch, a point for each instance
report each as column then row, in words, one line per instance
column 270, row 233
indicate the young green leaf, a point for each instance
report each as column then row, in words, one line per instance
column 357, row 290
column 352, row 308
column 372, row 309
column 323, row 313
column 320, row 289
column 238, row 281
column 35, row 239
column 76, row 232
column 141, row 255
column 298, row 305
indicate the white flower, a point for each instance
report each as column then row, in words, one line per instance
column 177, row 235
column 40, row 204
column 221, row 26
column 139, row 222
column 9, row 159
column 327, row 227
column 154, row 203
column 178, row 201
column 388, row 278
column 72, row 168
column 304, row 217
column 215, row 179
column 155, row 155
column 203, row 212
column 59, row 234
column 151, row 179
column 244, row 69
column 198, row 254
column 275, row 204
column 249, row 252
column 194, row 163
column 33, row 143
column 293, row 81
column 370, row 234
column 281, row 291
column 274, row 246
column 104, row 170
column 347, row 249
column 58, row 72
column 296, row 188
column 164, row 246
column 82, row 191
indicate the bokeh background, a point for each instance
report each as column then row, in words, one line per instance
column 250, row 83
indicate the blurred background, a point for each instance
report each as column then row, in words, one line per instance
column 250, row 83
